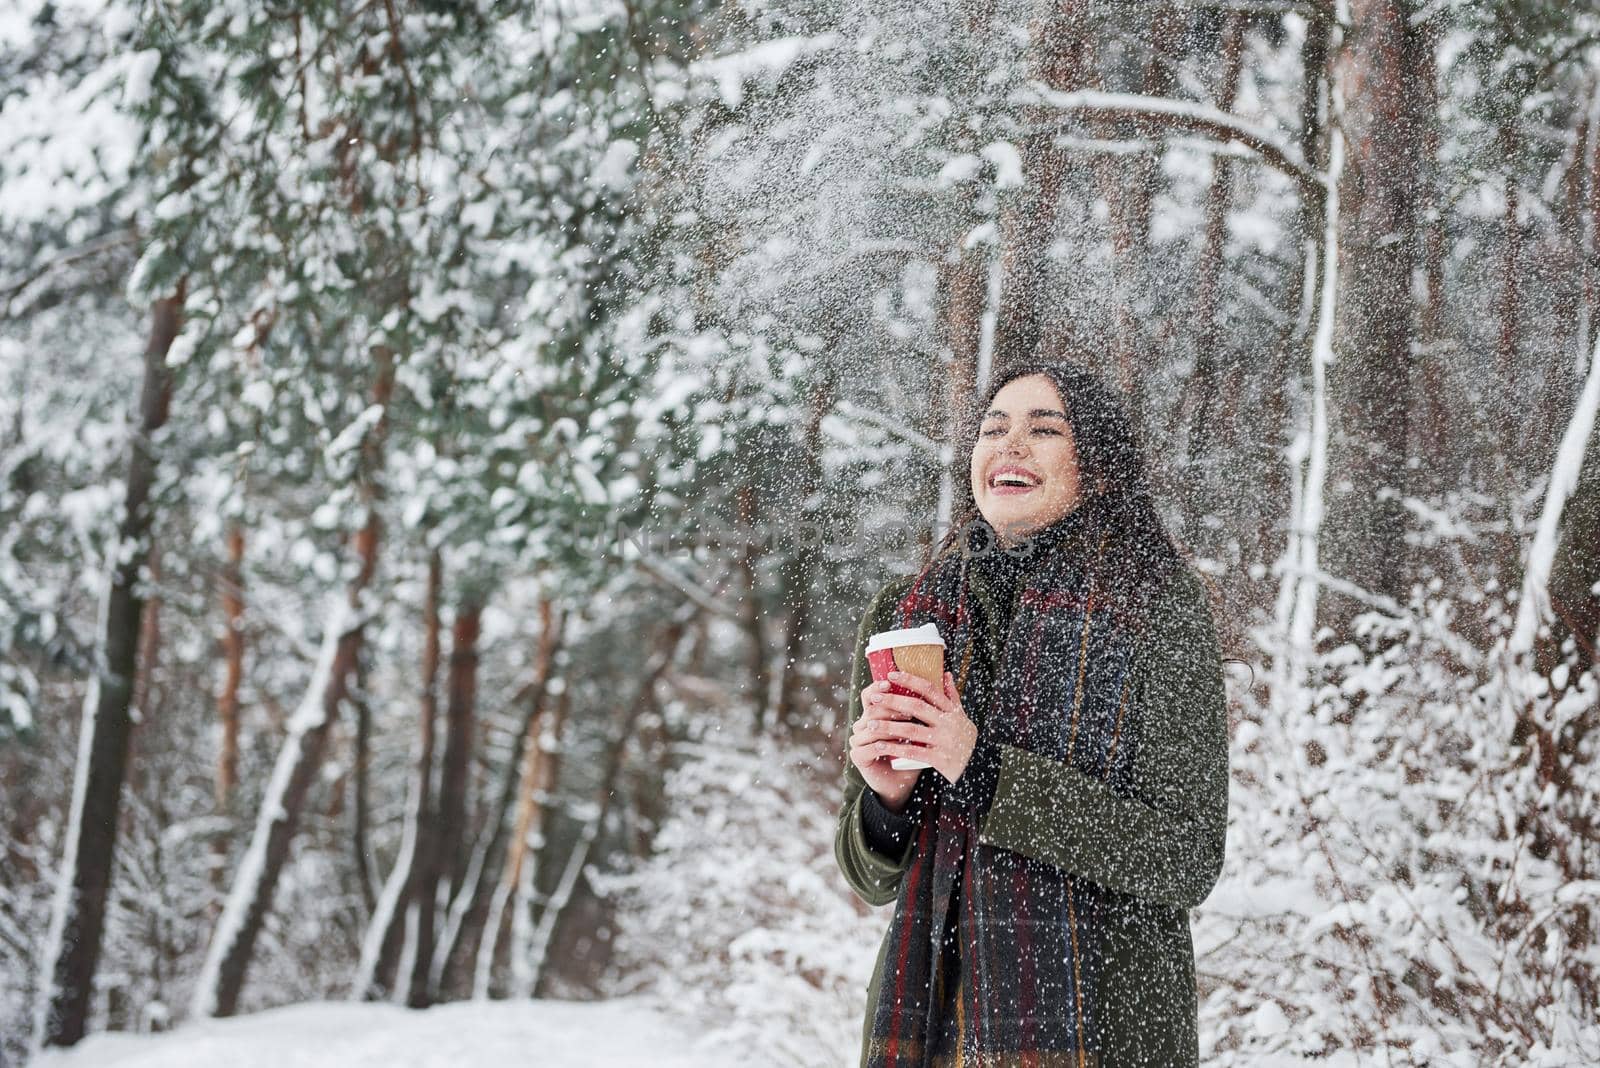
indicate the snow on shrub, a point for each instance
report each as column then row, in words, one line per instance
column 741, row 916
column 1411, row 875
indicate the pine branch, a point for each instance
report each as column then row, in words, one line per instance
column 95, row 246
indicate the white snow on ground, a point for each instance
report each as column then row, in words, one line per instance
column 629, row 1032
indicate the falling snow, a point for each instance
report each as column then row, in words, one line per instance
column 525, row 403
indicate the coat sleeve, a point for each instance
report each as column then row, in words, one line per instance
column 1164, row 843
column 874, row 876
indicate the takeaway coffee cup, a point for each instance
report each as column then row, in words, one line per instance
column 917, row 650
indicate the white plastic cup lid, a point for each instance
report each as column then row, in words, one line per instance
column 927, row 634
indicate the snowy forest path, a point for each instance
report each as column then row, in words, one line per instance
column 619, row 1033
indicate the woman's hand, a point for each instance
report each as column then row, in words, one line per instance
column 934, row 725
column 873, row 745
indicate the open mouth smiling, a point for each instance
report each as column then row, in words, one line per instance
column 1012, row 479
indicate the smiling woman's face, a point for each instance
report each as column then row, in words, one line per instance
column 1025, row 464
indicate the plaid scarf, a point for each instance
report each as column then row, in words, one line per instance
column 993, row 957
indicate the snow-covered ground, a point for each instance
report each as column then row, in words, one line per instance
column 620, row 1033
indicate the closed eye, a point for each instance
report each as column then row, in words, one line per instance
column 1036, row 430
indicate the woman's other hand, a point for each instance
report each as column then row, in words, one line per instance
column 934, row 726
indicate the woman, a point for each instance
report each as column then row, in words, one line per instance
column 1077, row 802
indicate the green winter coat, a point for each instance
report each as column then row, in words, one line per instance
column 1163, row 847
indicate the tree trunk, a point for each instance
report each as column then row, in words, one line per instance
column 1431, row 405
column 541, row 768
column 1510, row 257
column 1574, row 585
column 361, row 854
column 802, row 565
column 1575, row 570
column 556, row 906
column 985, row 319
column 1374, row 71
column 461, row 696
column 965, row 299
column 468, row 912
column 77, row 926
column 1575, row 573
column 403, row 892
column 420, row 881
column 232, row 641
column 450, row 833
column 1062, row 56
column 232, row 667
column 1128, row 186
column 1167, row 44
column 644, row 700
column 1562, row 569
column 1589, row 228
column 533, row 779
column 233, row 942
column 1205, row 387
column 145, row 698
column 1572, row 316
column 1563, row 564
column 1272, row 533
column 750, row 608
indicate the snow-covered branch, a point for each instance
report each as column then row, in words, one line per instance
column 663, row 572
column 1535, row 602
column 13, row 288
column 1182, row 115
column 935, row 451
